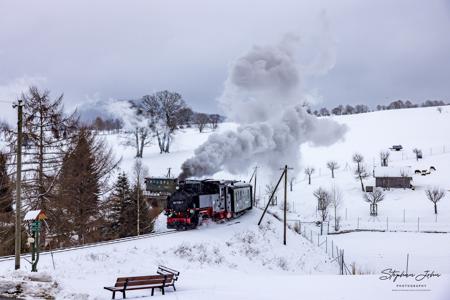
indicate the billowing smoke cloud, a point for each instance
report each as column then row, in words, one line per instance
column 264, row 94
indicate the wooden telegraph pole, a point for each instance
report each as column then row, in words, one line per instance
column 253, row 177
column 254, row 187
column 18, row 236
column 138, row 191
column 284, row 173
column 285, row 202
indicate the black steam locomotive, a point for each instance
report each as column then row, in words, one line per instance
column 196, row 200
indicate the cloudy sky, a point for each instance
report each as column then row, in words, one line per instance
column 375, row 51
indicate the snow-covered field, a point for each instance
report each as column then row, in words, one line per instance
column 402, row 210
column 241, row 260
column 207, row 258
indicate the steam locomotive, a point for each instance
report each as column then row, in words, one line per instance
column 196, row 200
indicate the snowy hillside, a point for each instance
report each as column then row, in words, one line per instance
column 402, row 210
column 224, row 261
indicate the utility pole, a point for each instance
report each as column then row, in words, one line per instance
column 138, row 191
column 254, row 186
column 18, row 236
column 254, row 189
column 270, row 199
column 285, row 202
column 168, row 172
column 284, row 173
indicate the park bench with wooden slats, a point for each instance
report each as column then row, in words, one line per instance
column 166, row 277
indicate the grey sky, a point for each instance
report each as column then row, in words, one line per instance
column 381, row 50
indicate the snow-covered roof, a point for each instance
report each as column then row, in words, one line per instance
column 33, row 215
column 393, row 171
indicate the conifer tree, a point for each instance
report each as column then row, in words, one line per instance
column 7, row 226
column 84, row 173
column 5, row 189
column 79, row 188
column 46, row 135
column 121, row 206
column 6, row 210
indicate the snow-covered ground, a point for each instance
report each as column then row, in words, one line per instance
column 241, row 260
column 402, row 210
column 207, row 258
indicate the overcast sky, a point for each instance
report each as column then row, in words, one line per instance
column 99, row 50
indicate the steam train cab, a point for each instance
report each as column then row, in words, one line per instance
column 195, row 200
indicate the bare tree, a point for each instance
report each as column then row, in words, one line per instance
column 418, row 153
column 185, row 116
column 47, row 132
column 323, row 202
column 139, row 172
column 138, row 133
column 141, row 138
column 332, row 165
column 164, row 109
column 309, row 171
column 374, row 198
column 434, row 195
column 360, row 171
column 201, row 119
column 214, row 119
column 384, row 158
column 291, row 183
column 335, row 202
column 268, row 192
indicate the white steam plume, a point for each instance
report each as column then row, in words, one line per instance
column 263, row 93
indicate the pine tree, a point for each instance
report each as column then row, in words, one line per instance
column 77, row 208
column 7, row 226
column 121, row 207
column 80, row 189
column 6, row 211
column 5, row 190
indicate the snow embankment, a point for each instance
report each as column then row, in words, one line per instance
column 236, row 248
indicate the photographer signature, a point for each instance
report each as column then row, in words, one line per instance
column 392, row 274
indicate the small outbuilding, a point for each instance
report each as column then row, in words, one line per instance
column 157, row 189
column 393, row 177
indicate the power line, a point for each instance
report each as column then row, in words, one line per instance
column 5, row 101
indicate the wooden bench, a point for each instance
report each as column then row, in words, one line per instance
column 166, row 277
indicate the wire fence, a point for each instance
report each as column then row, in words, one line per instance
column 331, row 249
column 320, row 234
column 334, row 252
column 396, row 156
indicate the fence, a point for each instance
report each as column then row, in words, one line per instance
column 321, row 241
column 400, row 222
column 405, row 154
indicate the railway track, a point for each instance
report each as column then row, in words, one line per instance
column 92, row 245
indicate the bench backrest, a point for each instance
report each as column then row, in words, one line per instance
column 144, row 280
column 162, row 270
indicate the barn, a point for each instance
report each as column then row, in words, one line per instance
column 393, row 177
